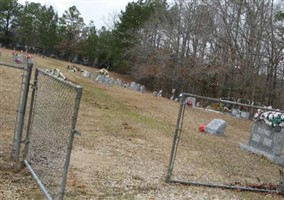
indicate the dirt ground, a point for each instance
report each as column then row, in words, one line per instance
column 124, row 148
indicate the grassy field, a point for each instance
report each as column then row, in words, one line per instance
column 123, row 151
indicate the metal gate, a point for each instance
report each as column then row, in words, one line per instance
column 202, row 159
column 14, row 88
column 50, row 131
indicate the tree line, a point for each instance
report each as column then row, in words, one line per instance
column 217, row 48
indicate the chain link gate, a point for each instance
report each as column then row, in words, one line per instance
column 202, row 159
column 14, row 89
column 50, row 131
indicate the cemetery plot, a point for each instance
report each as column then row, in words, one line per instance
column 127, row 158
column 103, row 77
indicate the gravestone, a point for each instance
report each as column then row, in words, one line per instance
column 111, row 81
column 267, row 141
column 138, row 87
column 132, row 86
column 108, row 81
column 118, row 82
column 97, row 78
column 86, row 74
column 101, row 79
column 245, row 115
column 216, row 127
column 155, row 93
column 142, row 88
column 235, row 111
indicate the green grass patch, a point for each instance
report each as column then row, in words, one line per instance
column 115, row 112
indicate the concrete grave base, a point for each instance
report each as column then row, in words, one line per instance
column 275, row 159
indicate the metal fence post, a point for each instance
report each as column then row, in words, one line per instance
column 27, row 142
column 176, row 139
column 22, row 110
column 280, row 187
column 70, row 141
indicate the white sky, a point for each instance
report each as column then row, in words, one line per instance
column 100, row 11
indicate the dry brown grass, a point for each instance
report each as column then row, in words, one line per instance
column 124, row 149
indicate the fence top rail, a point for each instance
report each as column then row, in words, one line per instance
column 11, row 65
column 68, row 83
column 230, row 102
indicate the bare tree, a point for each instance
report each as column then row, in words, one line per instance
column 216, row 48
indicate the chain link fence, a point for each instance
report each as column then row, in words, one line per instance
column 237, row 156
column 14, row 88
column 51, row 128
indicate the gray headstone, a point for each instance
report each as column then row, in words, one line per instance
column 138, row 86
column 86, row 74
column 133, row 86
column 142, row 88
column 106, row 80
column 234, row 111
column 216, row 127
column 96, row 75
column 118, row 82
column 101, row 79
column 266, row 140
column 245, row 115
column 111, row 81
column 155, row 93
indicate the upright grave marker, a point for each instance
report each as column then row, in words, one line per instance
column 267, row 137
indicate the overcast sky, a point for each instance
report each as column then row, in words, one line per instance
column 100, row 11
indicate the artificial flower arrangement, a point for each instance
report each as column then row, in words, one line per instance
column 271, row 118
